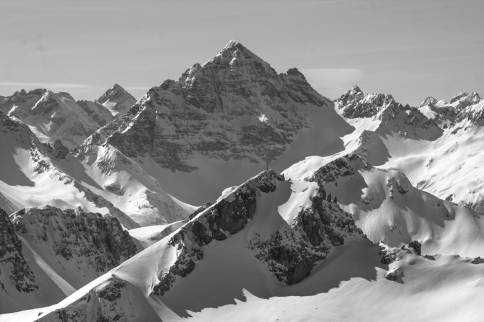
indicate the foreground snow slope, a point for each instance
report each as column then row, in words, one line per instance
column 276, row 249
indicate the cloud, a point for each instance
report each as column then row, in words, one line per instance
column 332, row 83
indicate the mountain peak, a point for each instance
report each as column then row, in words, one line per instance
column 232, row 44
column 428, row 101
column 356, row 89
column 235, row 51
column 116, row 99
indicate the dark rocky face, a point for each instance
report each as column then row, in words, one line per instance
column 12, row 262
column 79, row 236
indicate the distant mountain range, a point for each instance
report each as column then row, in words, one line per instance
column 237, row 193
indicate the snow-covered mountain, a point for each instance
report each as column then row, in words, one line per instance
column 58, row 116
column 370, row 209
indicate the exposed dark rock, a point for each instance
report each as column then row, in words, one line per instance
column 98, row 241
column 12, row 261
column 416, row 246
column 294, row 251
column 477, row 260
column 391, row 276
column 340, row 167
column 60, row 151
column 104, row 303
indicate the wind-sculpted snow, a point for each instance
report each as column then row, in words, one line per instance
column 91, row 242
column 235, row 106
column 13, row 267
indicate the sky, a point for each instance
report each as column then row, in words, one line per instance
column 411, row 49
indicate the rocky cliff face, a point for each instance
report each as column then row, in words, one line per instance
column 117, row 100
column 294, row 251
column 235, row 106
column 13, row 267
column 90, row 242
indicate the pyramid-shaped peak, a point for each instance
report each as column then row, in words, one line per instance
column 117, row 87
column 235, row 48
column 233, row 44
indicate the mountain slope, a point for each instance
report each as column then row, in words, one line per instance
column 34, row 174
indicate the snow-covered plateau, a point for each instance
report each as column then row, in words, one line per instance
column 237, row 193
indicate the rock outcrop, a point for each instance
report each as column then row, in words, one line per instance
column 107, row 302
column 91, row 241
column 13, row 267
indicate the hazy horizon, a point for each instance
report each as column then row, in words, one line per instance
column 410, row 49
